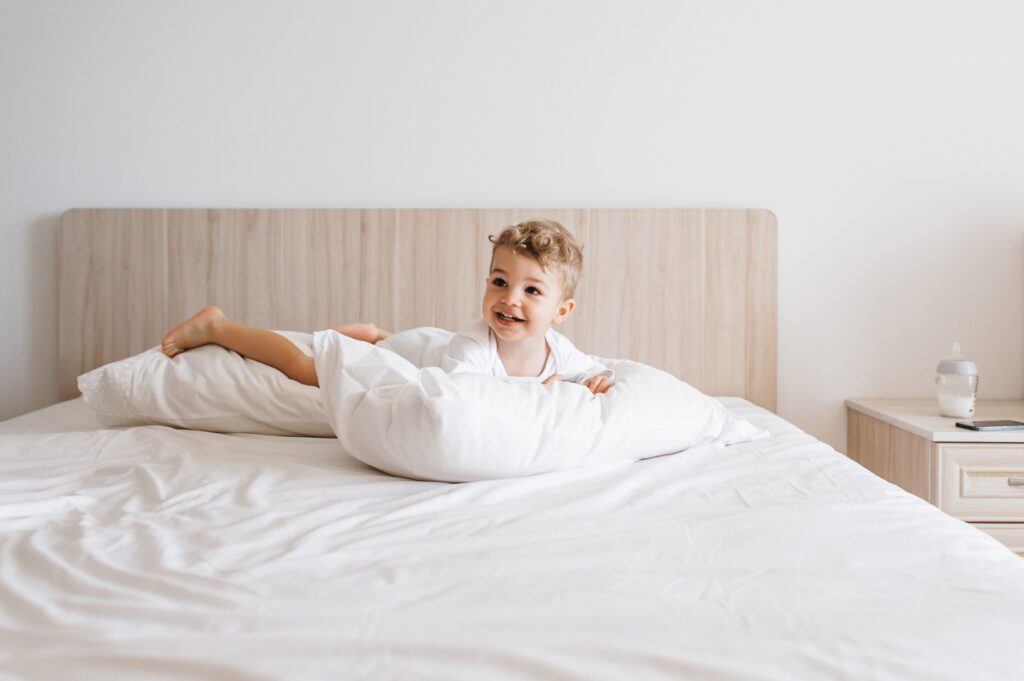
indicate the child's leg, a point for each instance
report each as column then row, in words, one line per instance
column 210, row 325
column 364, row 332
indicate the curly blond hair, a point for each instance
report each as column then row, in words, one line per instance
column 550, row 244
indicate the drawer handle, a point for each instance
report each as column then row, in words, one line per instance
column 1015, row 481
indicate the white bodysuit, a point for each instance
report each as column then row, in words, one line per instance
column 475, row 350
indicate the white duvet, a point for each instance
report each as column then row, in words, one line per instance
column 426, row 424
column 153, row 553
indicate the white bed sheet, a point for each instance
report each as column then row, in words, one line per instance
column 166, row 554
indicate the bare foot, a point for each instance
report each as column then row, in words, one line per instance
column 192, row 332
column 364, row 332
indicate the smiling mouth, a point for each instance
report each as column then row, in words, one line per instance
column 509, row 318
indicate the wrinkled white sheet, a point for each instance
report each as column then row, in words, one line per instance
column 164, row 554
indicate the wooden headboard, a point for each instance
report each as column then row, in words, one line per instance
column 692, row 291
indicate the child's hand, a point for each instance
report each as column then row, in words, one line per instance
column 599, row 384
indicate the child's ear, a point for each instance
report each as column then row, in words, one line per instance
column 564, row 310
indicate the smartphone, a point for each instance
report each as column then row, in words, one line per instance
column 1004, row 424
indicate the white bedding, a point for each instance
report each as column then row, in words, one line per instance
column 428, row 424
column 167, row 554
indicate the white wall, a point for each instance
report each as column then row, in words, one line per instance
column 888, row 137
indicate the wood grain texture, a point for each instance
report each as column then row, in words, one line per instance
column 1010, row 534
column 891, row 453
column 113, row 283
column 692, row 291
column 975, row 481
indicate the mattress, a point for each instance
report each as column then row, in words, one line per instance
column 159, row 553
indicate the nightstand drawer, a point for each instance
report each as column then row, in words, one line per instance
column 1010, row 534
column 982, row 482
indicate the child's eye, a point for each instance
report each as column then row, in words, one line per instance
column 533, row 290
column 498, row 281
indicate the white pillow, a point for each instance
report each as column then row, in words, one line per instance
column 426, row 424
column 206, row 388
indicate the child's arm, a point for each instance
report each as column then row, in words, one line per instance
column 574, row 366
column 466, row 354
column 599, row 384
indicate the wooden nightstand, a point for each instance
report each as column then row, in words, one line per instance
column 975, row 476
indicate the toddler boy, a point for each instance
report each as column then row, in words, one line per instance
column 535, row 266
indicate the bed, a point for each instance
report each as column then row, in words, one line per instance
column 154, row 552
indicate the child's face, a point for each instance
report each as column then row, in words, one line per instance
column 521, row 299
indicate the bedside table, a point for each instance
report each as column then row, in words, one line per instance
column 974, row 476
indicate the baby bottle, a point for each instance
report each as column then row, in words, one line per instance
column 956, row 381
